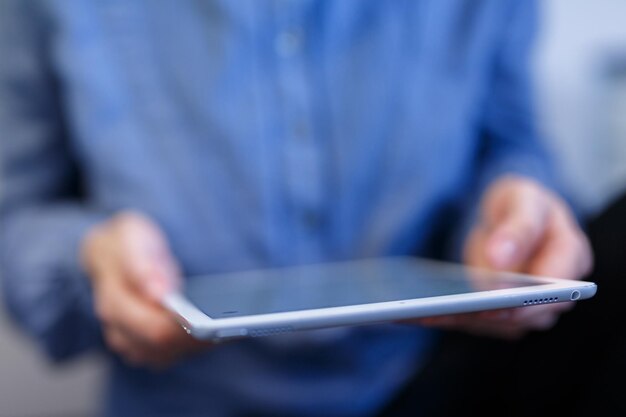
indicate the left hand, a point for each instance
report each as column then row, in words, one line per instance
column 523, row 227
column 131, row 268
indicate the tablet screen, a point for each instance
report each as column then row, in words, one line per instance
column 340, row 284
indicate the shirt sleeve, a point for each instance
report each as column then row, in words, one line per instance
column 510, row 143
column 42, row 217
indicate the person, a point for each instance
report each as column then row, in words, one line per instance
column 141, row 144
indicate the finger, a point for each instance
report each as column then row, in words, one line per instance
column 146, row 256
column 124, row 346
column 155, row 328
column 515, row 227
column 155, row 279
column 117, row 342
column 528, row 318
column 474, row 251
column 565, row 252
column 146, row 321
column 473, row 325
column 532, row 317
column 505, row 322
column 535, row 314
column 496, row 330
column 450, row 320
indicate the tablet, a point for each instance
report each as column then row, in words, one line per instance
column 275, row 301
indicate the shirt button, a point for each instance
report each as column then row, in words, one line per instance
column 288, row 42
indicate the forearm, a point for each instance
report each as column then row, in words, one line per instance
column 42, row 218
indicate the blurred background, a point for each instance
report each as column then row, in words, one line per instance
column 580, row 74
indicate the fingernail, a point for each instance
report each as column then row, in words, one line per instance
column 503, row 252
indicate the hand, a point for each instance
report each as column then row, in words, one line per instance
column 131, row 269
column 525, row 228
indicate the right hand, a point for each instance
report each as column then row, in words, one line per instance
column 523, row 227
column 131, row 268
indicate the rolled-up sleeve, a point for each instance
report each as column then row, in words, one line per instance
column 42, row 217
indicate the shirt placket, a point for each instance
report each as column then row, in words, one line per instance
column 302, row 150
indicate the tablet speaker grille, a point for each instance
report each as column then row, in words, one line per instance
column 541, row 301
column 271, row 331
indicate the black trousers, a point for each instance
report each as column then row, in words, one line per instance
column 576, row 369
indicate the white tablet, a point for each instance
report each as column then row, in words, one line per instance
column 269, row 302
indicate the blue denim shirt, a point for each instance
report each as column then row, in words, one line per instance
column 256, row 134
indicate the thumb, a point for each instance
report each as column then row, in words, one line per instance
column 150, row 264
column 157, row 275
column 515, row 225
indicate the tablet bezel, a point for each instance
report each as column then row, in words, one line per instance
column 548, row 290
